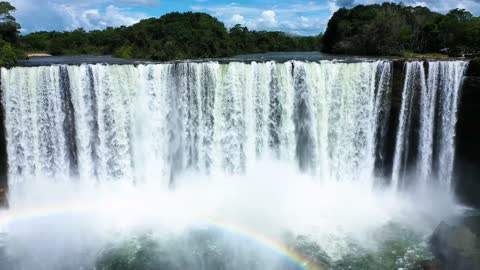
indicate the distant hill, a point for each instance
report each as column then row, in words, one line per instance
column 395, row 29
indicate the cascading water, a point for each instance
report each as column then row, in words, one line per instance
column 274, row 148
column 437, row 107
column 152, row 122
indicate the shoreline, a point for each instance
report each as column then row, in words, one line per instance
column 38, row 55
column 47, row 60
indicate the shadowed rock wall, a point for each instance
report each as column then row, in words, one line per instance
column 468, row 139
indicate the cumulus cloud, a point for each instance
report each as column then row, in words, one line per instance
column 301, row 17
column 447, row 5
column 236, row 19
column 146, row 3
column 95, row 18
column 268, row 18
column 72, row 14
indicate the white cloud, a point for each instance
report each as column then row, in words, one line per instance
column 72, row 14
column 146, row 3
column 447, row 5
column 76, row 17
column 268, row 19
column 236, row 19
column 302, row 17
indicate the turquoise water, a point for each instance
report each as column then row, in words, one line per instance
column 396, row 247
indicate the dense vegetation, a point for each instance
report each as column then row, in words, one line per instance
column 9, row 41
column 386, row 29
column 172, row 36
column 395, row 29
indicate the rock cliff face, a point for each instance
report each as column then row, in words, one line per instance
column 468, row 139
column 467, row 164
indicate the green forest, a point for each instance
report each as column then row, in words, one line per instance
column 10, row 48
column 387, row 29
column 395, row 29
column 172, row 36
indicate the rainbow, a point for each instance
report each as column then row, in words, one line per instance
column 9, row 217
column 293, row 255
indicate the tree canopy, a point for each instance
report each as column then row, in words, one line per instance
column 380, row 29
column 172, row 36
column 9, row 29
column 392, row 29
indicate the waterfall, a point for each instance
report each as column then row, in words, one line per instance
column 155, row 122
column 437, row 106
column 203, row 162
column 414, row 78
column 451, row 74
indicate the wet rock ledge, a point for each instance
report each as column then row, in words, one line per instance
column 456, row 246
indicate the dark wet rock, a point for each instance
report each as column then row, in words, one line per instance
column 467, row 165
column 4, row 262
column 3, row 197
column 474, row 67
column 430, row 265
column 457, row 246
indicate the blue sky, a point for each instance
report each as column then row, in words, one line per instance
column 302, row 17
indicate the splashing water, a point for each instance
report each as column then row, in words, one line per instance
column 108, row 162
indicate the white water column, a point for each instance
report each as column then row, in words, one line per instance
column 438, row 98
column 100, row 123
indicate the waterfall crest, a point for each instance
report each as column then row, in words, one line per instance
column 154, row 122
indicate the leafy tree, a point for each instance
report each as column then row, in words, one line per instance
column 8, row 25
column 172, row 36
column 124, row 52
column 9, row 30
column 8, row 54
column 392, row 29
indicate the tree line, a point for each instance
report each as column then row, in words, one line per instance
column 10, row 49
column 395, row 29
column 380, row 29
column 172, row 36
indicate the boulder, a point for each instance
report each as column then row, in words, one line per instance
column 457, row 246
column 3, row 197
column 430, row 265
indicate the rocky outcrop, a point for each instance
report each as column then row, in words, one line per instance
column 430, row 265
column 467, row 164
column 3, row 196
column 468, row 139
column 457, row 246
